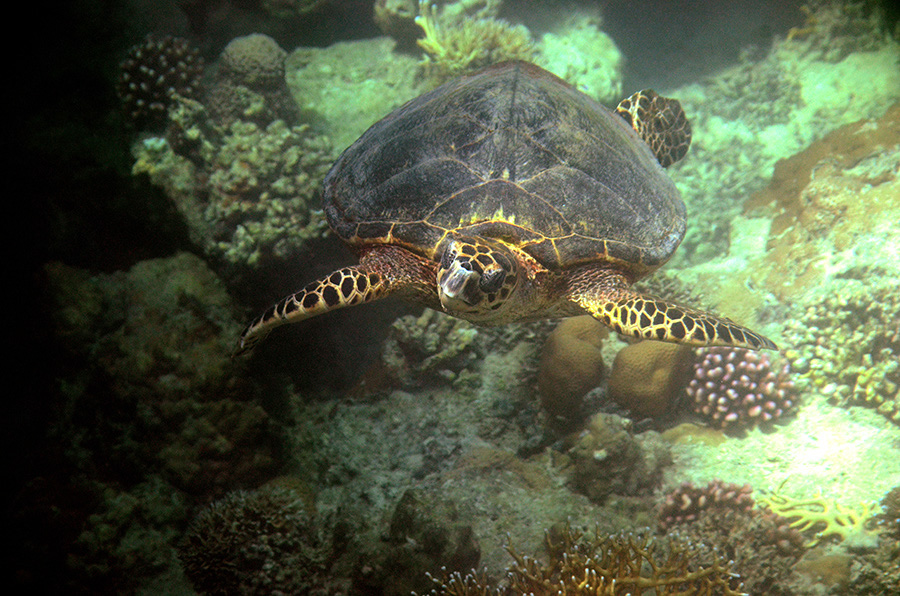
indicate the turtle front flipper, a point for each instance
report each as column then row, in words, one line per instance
column 660, row 122
column 627, row 312
column 382, row 271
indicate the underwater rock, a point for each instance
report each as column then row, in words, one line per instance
column 647, row 377
column 578, row 51
column 345, row 88
column 607, row 458
column 571, row 365
column 427, row 534
column 250, row 83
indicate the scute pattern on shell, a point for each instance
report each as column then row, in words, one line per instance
column 512, row 153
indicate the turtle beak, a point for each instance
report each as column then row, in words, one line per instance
column 458, row 287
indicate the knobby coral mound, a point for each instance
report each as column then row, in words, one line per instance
column 153, row 73
column 648, row 376
column 257, row 542
column 601, row 565
column 250, row 83
column 685, row 503
column 734, row 387
column 571, row 365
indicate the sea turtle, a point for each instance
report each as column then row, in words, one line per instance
column 508, row 195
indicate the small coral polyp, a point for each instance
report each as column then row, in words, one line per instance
column 734, row 387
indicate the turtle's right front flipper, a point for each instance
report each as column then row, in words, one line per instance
column 382, row 271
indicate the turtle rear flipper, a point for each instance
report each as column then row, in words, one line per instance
column 660, row 122
column 611, row 302
column 382, row 271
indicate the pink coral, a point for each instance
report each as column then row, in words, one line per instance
column 685, row 503
column 734, row 387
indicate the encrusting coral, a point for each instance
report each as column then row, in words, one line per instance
column 733, row 387
column 846, row 343
column 601, row 565
column 457, row 48
column 247, row 193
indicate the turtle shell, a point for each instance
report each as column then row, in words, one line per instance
column 511, row 153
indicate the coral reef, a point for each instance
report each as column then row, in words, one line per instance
column 250, row 83
column 649, row 376
column 426, row 533
column 459, row 47
column 762, row 548
column 153, row 73
column 397, row 18
column 432, row 345
column 828, row 518
column 180, row 409
column 608, row 565
column 821, row 196
column 571, row 365
column 578, row 51
column 608, row 458
column 846, row 344
column 687, row 502
column 748, row 117
column 246, row 193
column 889, row 518
column 734, row 387
column 255, row 542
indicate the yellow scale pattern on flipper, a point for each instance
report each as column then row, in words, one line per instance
column 649, row 318
column 345, row 287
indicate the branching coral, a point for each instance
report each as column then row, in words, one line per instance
column 846, row 343
column 827, row 517
column 247, row 193
column 601, row 566
column 468, row 45
column 687, row 502
column 154, row 72
column 733, row 387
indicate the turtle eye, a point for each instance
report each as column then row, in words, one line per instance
column 447, row 258
column 492, row 280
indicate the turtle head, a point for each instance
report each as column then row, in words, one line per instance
column 475, row 278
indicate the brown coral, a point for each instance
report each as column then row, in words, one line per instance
column 571, row 365
column 250, row 83
column 648, row 376
column 603, row 566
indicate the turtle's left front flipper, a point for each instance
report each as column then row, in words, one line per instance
column 381, row 271
column 614, row 304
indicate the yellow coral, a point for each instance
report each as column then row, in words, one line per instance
column 473, row 44
column 833, row 519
